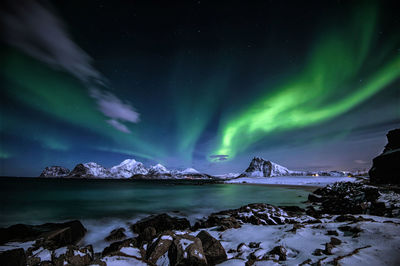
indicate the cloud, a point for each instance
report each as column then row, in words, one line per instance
column 113, row 107
column 37, row 31
column 219, row 157
column 119, row 126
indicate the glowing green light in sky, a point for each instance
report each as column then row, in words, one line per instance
column 330, row 84
column 62, row 97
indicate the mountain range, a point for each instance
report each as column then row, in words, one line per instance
column 131, row 168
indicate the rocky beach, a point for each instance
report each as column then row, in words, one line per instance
column 342, row 224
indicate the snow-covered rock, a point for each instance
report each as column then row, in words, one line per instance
column 128, row 168
column 227, row 176
column 158, row 169
column 90, row 169
column 55, row 171
column 190, row 171
column 260, row 167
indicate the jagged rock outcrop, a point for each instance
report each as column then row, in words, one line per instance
column 89, row 170
column 55, row 171
column 260, row 167
column 356, row 198
column 386, row 167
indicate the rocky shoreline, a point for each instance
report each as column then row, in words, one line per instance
column 340, row 225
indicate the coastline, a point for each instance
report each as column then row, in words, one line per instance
column 254, row 234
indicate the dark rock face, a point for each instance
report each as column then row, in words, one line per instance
column 79, row 170
column 159, row 247
column 116, row 234
column 353, row 198
column 212, row 248
column 53, row 235
column 259, row 167
column 256, row 214
column 55, row 171
column 386, row 167
column 116, row 246
column 13, row 257
column 74, row 256
column 186, row 250
column 161, row 223
column 280, row 251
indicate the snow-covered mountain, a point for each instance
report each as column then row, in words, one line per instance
column 128, row 168
column 131, row 168
column 260, row 167
column 158, row 169
column 89, row 170
column 55, row 171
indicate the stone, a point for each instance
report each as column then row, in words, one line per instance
column 73, row 255
column 280, row 251
column 296, row 227
column 318, row 252
column 161, row 223
column 335, row 241
column 116, row 234
column 332, row 233
column 13, row 257
column 149, row 233
column 51, row 235
column 186, row 250
column 116, row 246
column 212, row 248
column 350, row 230
column 159, row 247
column 254, row 244
column 328, row 248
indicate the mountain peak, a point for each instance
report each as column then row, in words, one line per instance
column 259, row 167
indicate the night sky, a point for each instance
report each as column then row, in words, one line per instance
column 311, row 85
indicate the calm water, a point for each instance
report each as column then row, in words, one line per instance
column 34, row 200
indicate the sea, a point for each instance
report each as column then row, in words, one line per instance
column 103, row 205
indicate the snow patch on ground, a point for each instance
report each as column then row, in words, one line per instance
column 14, row 245
column 131, row 251
column 292, row 180
column 122, row 261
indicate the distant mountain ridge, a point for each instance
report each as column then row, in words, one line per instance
column 130, row 168
column 259, row 167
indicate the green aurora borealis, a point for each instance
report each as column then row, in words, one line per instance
column 333, row 69
column 211, row 96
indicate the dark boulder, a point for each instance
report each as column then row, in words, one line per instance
column 280, row 251
column 186, row 250
column 116, row 246
column 212, row 248
column 52, row 235
column 149, row 233
column 160, row 247
column 13, row 257
column 386, row 167
column 73, row 255
column 161, row 223
column 116, row 234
